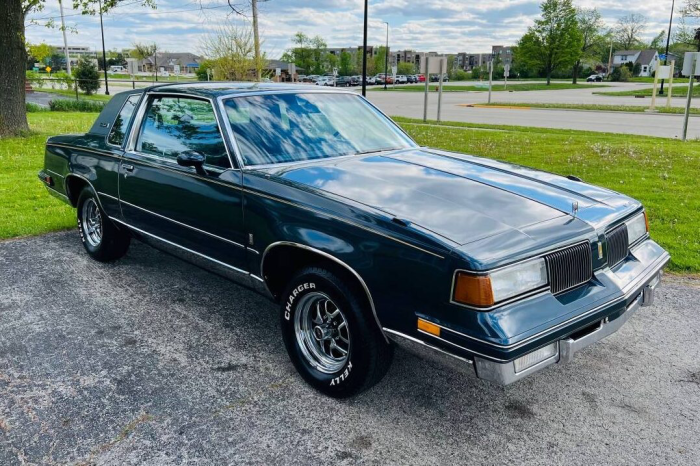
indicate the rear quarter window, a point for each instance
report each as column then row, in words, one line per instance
column 121, row 123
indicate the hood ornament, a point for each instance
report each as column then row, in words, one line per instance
column 574, row 208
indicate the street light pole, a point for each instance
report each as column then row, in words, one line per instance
column 668, row 41
column 65, row 41
column 364, row 54
column 104, row 53
column 386, row 55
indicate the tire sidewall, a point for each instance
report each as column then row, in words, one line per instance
column 354, row 372
column 85, row 194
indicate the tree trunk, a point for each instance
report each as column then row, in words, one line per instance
column 577, row 65
column 549, row 77
column 13, row 110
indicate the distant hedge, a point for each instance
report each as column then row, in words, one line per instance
column 64, row 105
column 33, row 108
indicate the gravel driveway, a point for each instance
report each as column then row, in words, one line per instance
column 153, row 361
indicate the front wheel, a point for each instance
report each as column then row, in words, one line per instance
column 102, row 240
column 331, row 336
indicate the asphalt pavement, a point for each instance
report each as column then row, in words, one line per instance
column 150, row 360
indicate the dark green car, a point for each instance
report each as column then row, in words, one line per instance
column 365, row 239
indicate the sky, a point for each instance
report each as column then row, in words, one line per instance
column 445, row 26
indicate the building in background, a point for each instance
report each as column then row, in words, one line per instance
column 182, row 63
column 646, row 59
column 502, row 54
column 468, row 61
column 75, row 52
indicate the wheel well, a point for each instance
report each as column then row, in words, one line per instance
column 74, row 185
column 282, row 262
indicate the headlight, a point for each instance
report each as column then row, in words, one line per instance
column 487, row 290
column 637, row 227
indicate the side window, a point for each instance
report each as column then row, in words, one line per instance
column 173, row 125
column 118, row 133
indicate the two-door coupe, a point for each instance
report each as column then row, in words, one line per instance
column 364, row 238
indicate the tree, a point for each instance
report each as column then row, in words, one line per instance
column 380, row 60
column 405, row 67
column 629, row 29
column 40, row 51
column 590, row 24
column 318, row 52
column 346, row 64
column 87, row 76
column 231, row 52
column 659, row 41
column 555, row 40
column 13, row 111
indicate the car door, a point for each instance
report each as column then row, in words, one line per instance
column 199, row 212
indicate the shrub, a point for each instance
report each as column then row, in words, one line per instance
column 87, row 75
column 625, row 74
column 63, row 79
column 460, row 75
column 65, row 105
column 33, row 108
column 35, row 79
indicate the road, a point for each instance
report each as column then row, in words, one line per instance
column 455, row 108
column 152, row 361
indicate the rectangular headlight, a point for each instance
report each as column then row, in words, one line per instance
column 636, row 228
column 497, row 286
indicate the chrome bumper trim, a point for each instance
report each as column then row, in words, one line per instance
column 504, row 373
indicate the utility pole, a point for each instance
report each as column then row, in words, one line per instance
column 364, row 55
column 104, row 53
column 610, row 57
column 386, row 54
column 256, row 41
column 668, row 41
column 65, row 41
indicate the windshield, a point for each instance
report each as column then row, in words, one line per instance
column 278, row 128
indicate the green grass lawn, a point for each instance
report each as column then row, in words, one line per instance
column 25, row 206
column 484, row 86
column 644, row 79
column 71, row 93
column 678, row 91
column 660, row 107
column 662, row 173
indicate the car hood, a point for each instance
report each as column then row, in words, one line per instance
column 461, row 198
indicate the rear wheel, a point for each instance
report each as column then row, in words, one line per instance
column 102, row 240
column 331, row 336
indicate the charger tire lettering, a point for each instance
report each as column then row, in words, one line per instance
column 293, row 297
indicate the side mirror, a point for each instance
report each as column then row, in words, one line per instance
column 192, row 158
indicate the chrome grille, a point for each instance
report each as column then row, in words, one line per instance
column 618, row 245
column 570, row 267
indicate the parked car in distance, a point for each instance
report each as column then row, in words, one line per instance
column 343, row 81
column 421, row 78
column 325, row 81
column 595, row 78
column 364, row 238
column 412, row 78
column 371, row 80
column 436, row 78
column 401, row 79
column 114, row 69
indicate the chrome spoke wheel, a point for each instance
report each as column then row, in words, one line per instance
column 92, row 222
column 322, row 333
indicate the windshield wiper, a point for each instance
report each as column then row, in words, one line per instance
column 371, row 151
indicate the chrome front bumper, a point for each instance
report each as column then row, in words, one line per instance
column 505, row 373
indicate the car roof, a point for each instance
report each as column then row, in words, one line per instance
column 218, row 89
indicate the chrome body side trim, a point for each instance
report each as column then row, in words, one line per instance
column 430, row 352
column 204, row 256
column 82, row 148
column 184, row 224
column 88, row 182
column 108, row 195
column 57, row 194
column 332, row 258
column 54, row 173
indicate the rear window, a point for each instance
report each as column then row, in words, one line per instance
column 118, row 133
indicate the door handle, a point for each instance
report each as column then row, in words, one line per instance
column 128, row 168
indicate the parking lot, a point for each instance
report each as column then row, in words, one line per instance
column 151, row 360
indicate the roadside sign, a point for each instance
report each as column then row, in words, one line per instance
column 335, row 71
column 662, row 56
column 506, row 70
column 278, row 71
column 433, row 65
column 688, row 59
column 394, row 69
column 176, row 69
column 664, row 72
column 48, row 69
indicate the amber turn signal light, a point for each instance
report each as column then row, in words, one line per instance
column 474, row 290
column 428, row 327
column 646, row 220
